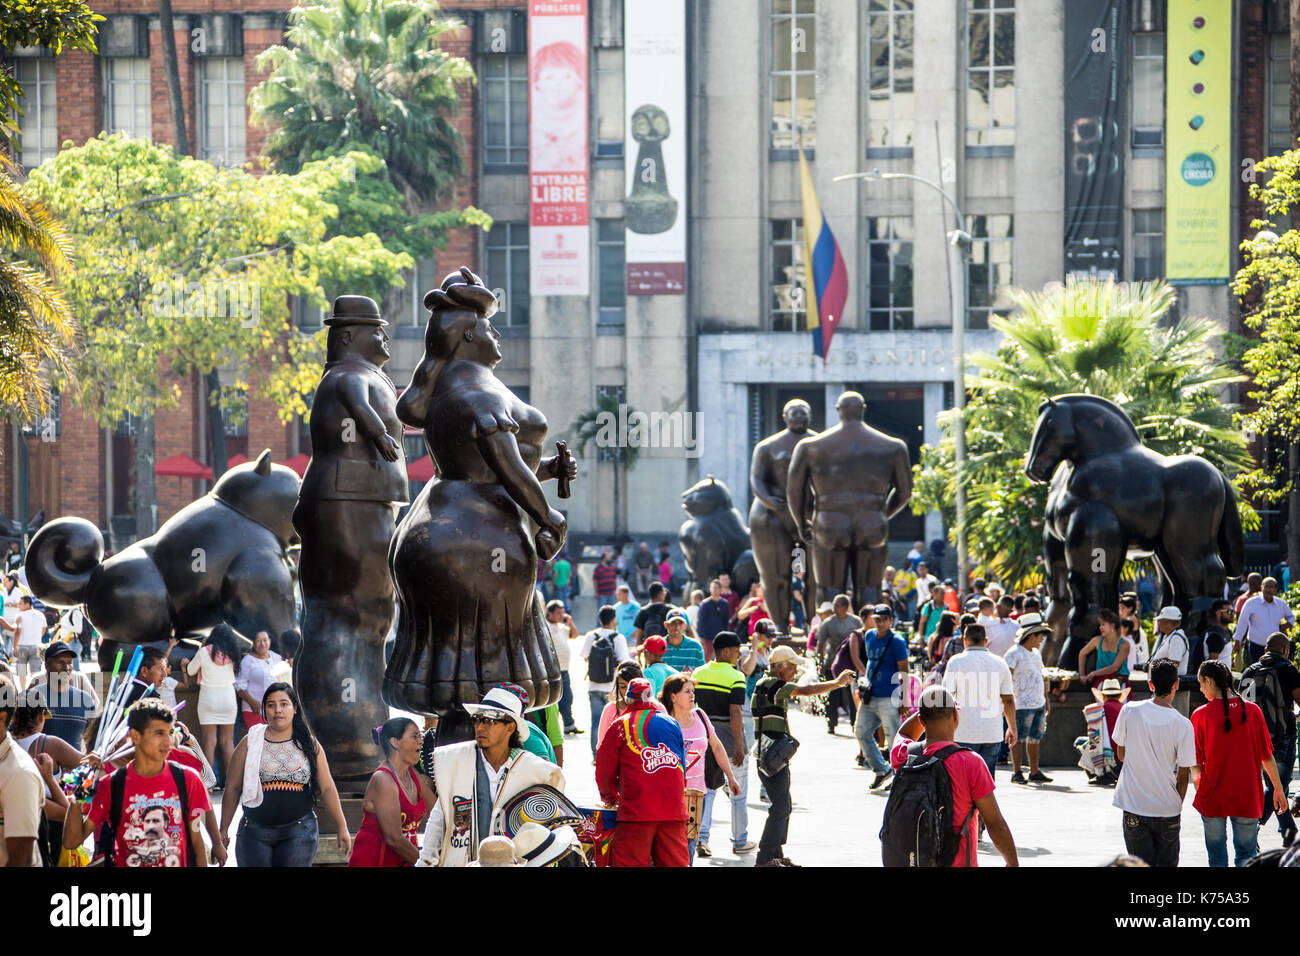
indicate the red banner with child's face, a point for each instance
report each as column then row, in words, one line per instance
column 558, row 240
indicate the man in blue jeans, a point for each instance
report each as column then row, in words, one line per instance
column 981, row 682
column 880, row 673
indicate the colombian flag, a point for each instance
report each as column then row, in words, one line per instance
column 826, row 281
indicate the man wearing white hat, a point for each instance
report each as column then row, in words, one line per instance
column 1172, row 645
column 476, row 779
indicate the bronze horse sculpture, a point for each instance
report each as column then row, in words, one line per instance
column 1112, row 498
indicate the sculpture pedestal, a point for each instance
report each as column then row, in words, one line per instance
column 1065, row 724
column 327, row 849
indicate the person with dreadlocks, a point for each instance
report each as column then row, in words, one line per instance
column 1232, row 744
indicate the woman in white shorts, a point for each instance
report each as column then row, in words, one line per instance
column 217, row 664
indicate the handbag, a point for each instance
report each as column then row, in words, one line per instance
column 713, row 775
column 776, row 753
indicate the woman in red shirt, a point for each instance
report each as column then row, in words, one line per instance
column 1232, row 745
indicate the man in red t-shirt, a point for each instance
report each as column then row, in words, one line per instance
column 152, row 830
column 936, row 720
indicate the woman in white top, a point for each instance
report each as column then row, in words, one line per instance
column 255, row 676
column 217, row 664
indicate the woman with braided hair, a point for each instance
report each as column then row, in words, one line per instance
column 464, row 558
column 1232, row 746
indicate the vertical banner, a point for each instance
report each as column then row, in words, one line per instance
column 1095, row 35
column 559, row 247
column 1198, row 148
column 654, row 50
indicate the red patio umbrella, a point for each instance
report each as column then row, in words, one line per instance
column 182, row 466
column 238, row 458
column 421, row 470
column 298, row 463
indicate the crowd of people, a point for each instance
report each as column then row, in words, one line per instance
column 941, row 687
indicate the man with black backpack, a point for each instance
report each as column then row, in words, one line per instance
column 149, row 812
column 1273, row 683
column 603, row 649
column 930, row 819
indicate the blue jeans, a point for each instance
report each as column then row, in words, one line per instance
column 1245, row 842
column 988, row 753
column 740, row 804
column 872, row 714
column 596, row 699
column 566, row 703
column 1284, row 756
column 293, row 844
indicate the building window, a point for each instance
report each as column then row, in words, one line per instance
column 504, row 79
column 990, row 72
column 890, row 101
column 989, row 271
column 38, row 132
column 307, row 315
column 610, row 118
column 222, row 110
column 419, row 281
column 794, row 73
column 507, row 271
column 235, row 418
column 1279, row 94
column 126, row 96
column 1148, row 89
column 1148, row 244
column 787, row 275
column 612, row 264
column 889, row 272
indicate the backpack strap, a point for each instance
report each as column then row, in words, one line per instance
column 183, row 792
column 943, row 755
column 116, row 797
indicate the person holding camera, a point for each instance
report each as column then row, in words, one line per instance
column 776, row 746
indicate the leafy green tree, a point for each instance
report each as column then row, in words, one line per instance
column 183, row 267
column 1100, row 338
column 369, row 74
column 1269, row 284
column 587, row 428
column 36, row 323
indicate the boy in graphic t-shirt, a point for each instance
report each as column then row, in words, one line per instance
column 152, row 830
column 936, row 720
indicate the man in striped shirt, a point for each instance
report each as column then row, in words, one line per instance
column 604, row 578
column 683, row 653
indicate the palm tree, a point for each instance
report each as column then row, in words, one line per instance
column 36, row 324
column 588, row 427
column 1101, row 338
column 367, row 73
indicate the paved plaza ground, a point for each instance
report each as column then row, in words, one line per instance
column 836, row 820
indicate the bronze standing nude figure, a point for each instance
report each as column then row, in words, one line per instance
column 859, row 479
column 464, row 558
column 347, row 510
column 772, row 529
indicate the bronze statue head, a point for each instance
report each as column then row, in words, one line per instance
column 356, row 328
column 458, row 320
column 797, row 415
column 851, row 406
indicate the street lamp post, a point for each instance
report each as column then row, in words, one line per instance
column 959, row 243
